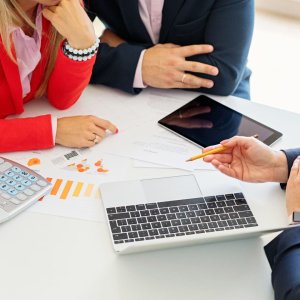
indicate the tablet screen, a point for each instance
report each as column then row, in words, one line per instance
column 206, row 122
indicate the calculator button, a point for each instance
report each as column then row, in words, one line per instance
column 42, row 183
column 1, row 161
column 24, row 174
column 5, row 196
column 3, row 178
column 26, row 182
column 19, row 187
column 21, row 197
column 5, row 166
column 9, row 173
column 12, row 192
column 35, row 187
column 4, row 187
column 17, row 178
column 10, row 182
column 33, row 178
column 28, row 192
column 15, row 201
column 16, row 169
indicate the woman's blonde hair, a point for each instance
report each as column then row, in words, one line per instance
column 11, row 14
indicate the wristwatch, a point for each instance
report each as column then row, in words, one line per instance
column 294, row 218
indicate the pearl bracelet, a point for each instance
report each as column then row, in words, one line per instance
column 80, row 55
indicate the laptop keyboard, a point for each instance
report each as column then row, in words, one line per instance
column 137, row 223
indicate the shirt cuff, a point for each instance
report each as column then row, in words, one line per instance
column 138, row 79
column 54, row 127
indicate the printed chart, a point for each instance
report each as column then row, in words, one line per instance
column 88, row 166
column 77, row 194
column 72, row 196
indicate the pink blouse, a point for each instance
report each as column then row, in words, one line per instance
column 28, row 52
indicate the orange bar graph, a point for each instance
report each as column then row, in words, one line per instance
column 66, row 190
column 49, row 179
column 98, row 194
column 78, row 189
column 56, row 187
column 89, row 190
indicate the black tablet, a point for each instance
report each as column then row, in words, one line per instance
column 207, row 122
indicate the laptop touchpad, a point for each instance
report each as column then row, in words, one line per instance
column 171, row 188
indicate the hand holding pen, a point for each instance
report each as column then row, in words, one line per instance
column 248, row 159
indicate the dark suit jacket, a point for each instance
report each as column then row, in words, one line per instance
column 284, row 255
column 225, row 24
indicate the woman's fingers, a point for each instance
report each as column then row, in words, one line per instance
column 100, row 132
column 224, row 158
column 81, row 131
column 105, row 125
column 210, row 148
column 298, row 171
column 89, row 144
column 48, row 14
column 295, row 169
column 224, row 168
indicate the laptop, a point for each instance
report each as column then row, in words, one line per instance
column 205, row 207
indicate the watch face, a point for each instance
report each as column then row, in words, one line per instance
column 297, row 216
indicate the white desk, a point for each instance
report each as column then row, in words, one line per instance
column 51, row 258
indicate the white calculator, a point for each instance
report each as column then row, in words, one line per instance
column 20, row 187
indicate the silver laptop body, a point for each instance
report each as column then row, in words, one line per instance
column 205, row 207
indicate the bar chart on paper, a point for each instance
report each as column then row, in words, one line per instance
column 71, row 196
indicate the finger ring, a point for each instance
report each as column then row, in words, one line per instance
column 96, row 139
column 180, row 114
column 182, row 80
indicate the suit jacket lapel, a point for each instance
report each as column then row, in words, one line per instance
column 170, row 11
column 133, row 21
column 12, row 75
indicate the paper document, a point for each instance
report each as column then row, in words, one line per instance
column 145, row 164
column 76, row 195
column 154, row 144
column 124, row 110
column 136, row 118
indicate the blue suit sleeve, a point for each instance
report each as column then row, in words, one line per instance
column 283, row 254
column 229, row 29
column 291, row 155
column 116, row 66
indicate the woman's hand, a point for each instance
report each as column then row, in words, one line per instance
column 81, row 131
column 293, row 189
column 250, row 160
column 71, row 21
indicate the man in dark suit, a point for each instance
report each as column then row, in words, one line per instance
column 166, row 44
column 250, row 160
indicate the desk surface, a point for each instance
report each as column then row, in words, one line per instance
column 47, row 257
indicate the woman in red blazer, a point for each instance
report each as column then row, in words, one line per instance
column 56, row 72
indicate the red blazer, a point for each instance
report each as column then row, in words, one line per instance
column 66, row 84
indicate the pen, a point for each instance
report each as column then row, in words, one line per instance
column 213, row 151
